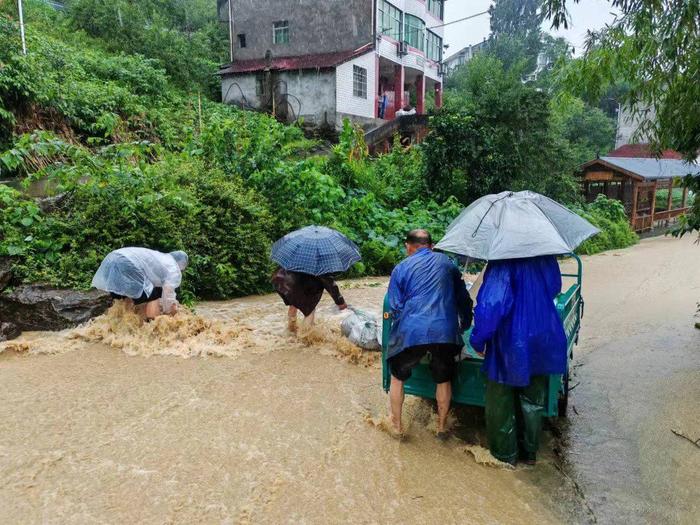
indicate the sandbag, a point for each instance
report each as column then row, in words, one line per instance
column 362, row 329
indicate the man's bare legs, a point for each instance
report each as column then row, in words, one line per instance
column 292, row 319
column 310, row 319
column 443, row 394
column 396, row 397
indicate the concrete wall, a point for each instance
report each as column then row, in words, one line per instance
column 628, row 125
column 311, row 93
column 316, row 91
column 315, row 26
column 245, row 96
column 346, row 102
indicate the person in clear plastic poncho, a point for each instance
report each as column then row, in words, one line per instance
column 143, row 277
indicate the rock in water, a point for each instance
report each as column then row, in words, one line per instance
column 40, row 307
column 5, row 272
column 9, row 331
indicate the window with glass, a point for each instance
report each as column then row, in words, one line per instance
column 359, row 82
column 390, row 19
column 414, row 32
column 434, row 47
column 280, row 32
column 436, row 8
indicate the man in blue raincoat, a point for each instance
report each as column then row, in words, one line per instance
column 517, row 327
column 430, row 307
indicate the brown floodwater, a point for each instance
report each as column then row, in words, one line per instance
column 223, row 416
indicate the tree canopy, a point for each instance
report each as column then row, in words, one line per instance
column 654, row 48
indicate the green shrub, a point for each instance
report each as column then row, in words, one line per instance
column 615, row 230
column 127, row 201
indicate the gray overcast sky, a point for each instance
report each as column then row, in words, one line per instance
column 588, row 14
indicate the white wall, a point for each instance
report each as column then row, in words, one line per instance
column 316, row 92
column 346, row 102
column 231, row 93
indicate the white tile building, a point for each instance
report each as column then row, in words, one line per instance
column 325, row 60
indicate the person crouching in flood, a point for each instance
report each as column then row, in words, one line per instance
column 430, row 308
column 302, row 292
column 141, row 276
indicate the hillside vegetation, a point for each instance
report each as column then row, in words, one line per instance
column 136, row 153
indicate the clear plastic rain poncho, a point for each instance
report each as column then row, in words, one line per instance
column 132, row 272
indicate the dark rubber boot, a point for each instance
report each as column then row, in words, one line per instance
column 500, row 422
column 532, row 401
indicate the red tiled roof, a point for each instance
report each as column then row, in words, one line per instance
column 643, row 151
column 319, row 61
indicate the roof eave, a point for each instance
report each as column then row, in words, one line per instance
column 612, row 167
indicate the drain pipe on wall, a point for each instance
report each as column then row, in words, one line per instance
column 230, row 29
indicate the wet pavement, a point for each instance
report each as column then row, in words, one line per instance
column 637, row 378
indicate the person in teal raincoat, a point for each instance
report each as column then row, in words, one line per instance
column 518, row 329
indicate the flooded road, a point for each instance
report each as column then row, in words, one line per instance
column 230, row 419
column 637, row 380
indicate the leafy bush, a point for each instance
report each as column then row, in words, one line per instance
column 127, row 201
column 184, row 38
column 615, row 230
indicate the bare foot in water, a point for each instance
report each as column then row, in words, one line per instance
column 395, row 429
column 292, row 325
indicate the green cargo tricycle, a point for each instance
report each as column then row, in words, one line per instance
column 469, row 385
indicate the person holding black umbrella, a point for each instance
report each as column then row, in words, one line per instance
column 302, row 292
column 307, row 259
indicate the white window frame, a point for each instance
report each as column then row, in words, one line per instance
column 281, row 27
column 360, row 82
column 388, row 12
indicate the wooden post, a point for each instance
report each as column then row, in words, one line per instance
column 635, row 196
column 685, row 197
column 653, row 205
column 669, row 203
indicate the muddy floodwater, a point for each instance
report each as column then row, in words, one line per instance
column 225, row 417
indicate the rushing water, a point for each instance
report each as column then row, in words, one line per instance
column 223, row 416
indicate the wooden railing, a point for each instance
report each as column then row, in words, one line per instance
column 646, row 222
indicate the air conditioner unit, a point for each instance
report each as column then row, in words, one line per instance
column 402, row 48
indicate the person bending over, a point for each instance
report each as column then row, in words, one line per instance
column 430, row 308
column 302, row 292
column 143, row 277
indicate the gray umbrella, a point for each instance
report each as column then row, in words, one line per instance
column 512, row 225
column 316, row 250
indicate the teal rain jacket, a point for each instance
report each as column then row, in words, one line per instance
column 516, row 320
column 429, row 302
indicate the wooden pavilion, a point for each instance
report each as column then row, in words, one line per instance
column 632, row 175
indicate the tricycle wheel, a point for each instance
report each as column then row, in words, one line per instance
column 563, row 401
